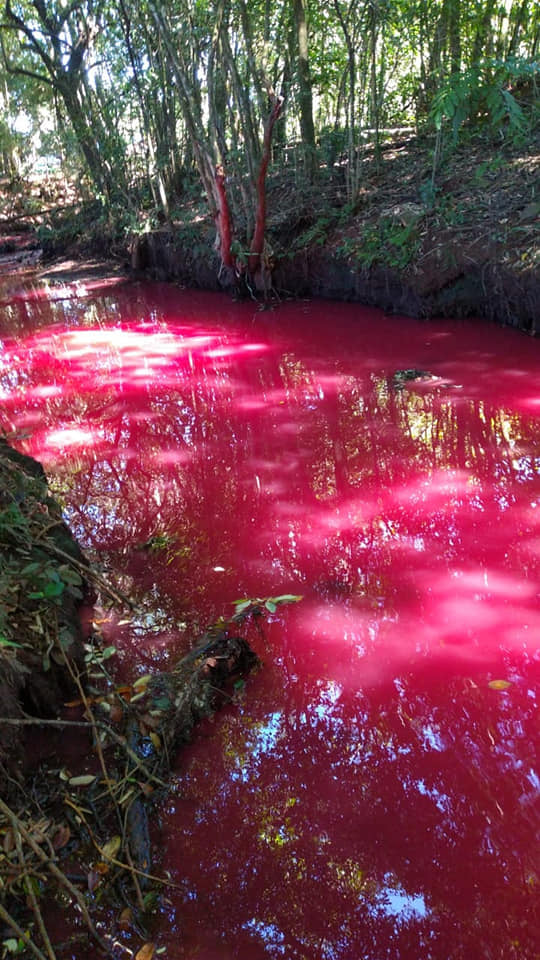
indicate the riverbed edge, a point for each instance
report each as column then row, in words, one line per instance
column 486, row 291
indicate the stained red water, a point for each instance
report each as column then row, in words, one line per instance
column 372, row 792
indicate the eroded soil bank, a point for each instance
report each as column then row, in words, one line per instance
column 456, row 240
column 461, row 243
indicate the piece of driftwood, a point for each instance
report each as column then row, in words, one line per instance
column 170, row 706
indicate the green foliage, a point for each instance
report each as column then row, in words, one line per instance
column 488, row 169
column 13, row 947
column 315, row 235
column 483, row 92
column 143, row 126
column 34, row 584
column 259, row 605
column 449, row 211
column 386, row 243
column 333, row 144
column 239, row 252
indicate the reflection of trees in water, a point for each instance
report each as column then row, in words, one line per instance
column 182, row 456
column 394, row 823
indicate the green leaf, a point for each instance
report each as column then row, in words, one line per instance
column 4, row 642
column 32, row 883
column 11, row 945
column 107, row 653
column 150, row 900
column 271, row 606
column 54, row 588
column 287, row 598
column 69, row 575
column 162, row 703
column 30, row 568
column 242, row 605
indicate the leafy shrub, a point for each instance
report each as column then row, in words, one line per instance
column 386, row 243
column 484, row 91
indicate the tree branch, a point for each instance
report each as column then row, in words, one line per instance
column 20, row 71
column 19, row 24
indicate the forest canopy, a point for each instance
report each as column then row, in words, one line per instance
column 143, row 101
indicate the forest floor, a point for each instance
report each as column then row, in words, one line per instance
column 460, row 241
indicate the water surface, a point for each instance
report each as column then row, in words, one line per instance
column 373, row 791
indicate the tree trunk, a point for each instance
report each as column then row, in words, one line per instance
column 307, row 127
column 223, row 220
column 257, row 243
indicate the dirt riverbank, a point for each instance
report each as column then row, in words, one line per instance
column 462, row 243
column 459, row 239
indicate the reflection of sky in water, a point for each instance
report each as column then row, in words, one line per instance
column 368, row 794
column 397, row 903
column 272, row 938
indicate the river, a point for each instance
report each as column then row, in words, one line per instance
column 372, row 791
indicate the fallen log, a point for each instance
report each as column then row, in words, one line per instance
column 36, row 214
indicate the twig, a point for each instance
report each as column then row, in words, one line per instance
column 56, row 872
column 118, row 863
column 88, row 712
column 134, row 877
column 88, row 571
column 33, row 899
column 22, row 934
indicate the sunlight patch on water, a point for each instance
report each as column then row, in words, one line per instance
column 347, row 802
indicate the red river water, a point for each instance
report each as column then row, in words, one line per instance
column 372, row 792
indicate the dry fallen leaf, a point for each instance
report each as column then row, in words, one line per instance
column 152, row 723
column 126, row 918
column 93, row 880
column 155, row 740
column 82, row 781
column 39, row 830
column 116, row 714
column 111, row 848
column 9, row 841
column 145, row 788
column 61, row 837
column 146, row 952
column 499, row 684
